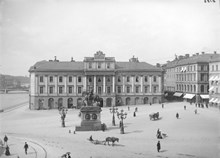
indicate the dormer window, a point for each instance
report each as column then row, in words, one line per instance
column 108, row 79
column 60, row 79
column 137, row 79
column 99, row 80
column 90, row 79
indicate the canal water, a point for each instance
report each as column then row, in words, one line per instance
column 13, row 99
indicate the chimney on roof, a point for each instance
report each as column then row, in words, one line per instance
column 187, row 55
column 133, row 59
column 55, row 58
column 215, row 52
column 203, row 52
column 72, row 59
column 197, row 53
column 181, row 57
column 158, row 65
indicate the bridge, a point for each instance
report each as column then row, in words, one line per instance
column 14, row 90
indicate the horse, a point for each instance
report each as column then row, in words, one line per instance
column 111, row 139
column 154, row 116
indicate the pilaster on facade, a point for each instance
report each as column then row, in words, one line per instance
column 123, row 86
column 46, row 84
column 150, row 83
column 65, row 84
column 94, row 88
column 104, row 84
column 74, row 84
column 159, row 79
column 113, row 84
column 141, row 84
column 36, row 84
column 56, row 84
column 84, row 83
column 132, row 84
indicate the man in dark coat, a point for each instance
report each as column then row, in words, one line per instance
column 25, row 147
column 158, row 146
column 7, row 152
column 177, row 115
column 5, row 140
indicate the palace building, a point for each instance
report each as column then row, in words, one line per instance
column 57, row 83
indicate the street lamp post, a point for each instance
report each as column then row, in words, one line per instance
column 63, row 112
column 113, row 110
column 121, row 116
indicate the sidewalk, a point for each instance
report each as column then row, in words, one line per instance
column 16, row 148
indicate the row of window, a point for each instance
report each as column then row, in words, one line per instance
column 191, row 88
column 214, row 67
column 90, row 79
column 99, row 65
column 137, row 89
column 100, row 89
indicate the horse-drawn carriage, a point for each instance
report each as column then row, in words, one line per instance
column 154, row 116
column 107, row 140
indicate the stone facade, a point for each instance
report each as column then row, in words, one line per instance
column 55, row 83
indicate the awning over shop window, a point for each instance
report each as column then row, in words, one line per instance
column 211, row 88
column 215, row 100
column 211, row 79
column 177, row 94
column 204, row 96
column 211, row 100
column 215, row 78
column 189, row 96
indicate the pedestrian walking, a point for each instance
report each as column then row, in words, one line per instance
column 5, row 140
column 177, row 115
column 158, row 146
column 25, row 147
column 185, row 107
column 128, row 108
column 162, row 106
column 7, row 152
column 195, row 111
column 134, row 114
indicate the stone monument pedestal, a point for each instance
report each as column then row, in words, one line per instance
column 90, row 119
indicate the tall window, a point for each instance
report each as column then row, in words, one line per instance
column 155, row 89
column 202, row 88
column 99, row 90
column 146, row 89
column 145, row 78
column 79, row 79
column 108, row 90
column 51, row 79
column 90, row 79
column 119, row 79
column 137, row 89
column 216, row 67
column 128, row 89
column 60, row 79
column 119, row 89
column 99, row 79
column 155, row 78
column 108, row 65
column 90, row 65
column 41, row 79
column 79, row 90
column 137, row 79
column 41, row 90
column 213, row 68
column 99, row 65
column 128, row 78
column 51, row 90
column 70, row 90
column 108, row 79
column 60, row 90
column 70, row 79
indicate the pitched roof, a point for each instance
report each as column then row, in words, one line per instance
column 193, row 59
column 57, row 66
column 79, row 66
column 135, row 66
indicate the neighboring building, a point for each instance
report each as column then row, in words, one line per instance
column 188, row 77
column 214, row 82
column 54, row 83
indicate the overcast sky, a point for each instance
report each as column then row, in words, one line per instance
column 152, row 30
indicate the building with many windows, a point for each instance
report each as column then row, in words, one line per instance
column 214, row 82
column 54, row 83
column 188, row 77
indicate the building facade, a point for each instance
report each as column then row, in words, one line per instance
column 214, row 83
column 54, row 83
column 189, row 77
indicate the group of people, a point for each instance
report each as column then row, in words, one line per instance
column 7, row 151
